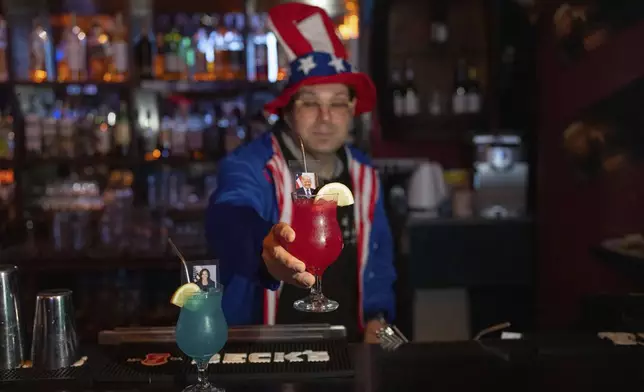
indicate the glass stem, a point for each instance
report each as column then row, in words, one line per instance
column 316, row 290
column 202, row 376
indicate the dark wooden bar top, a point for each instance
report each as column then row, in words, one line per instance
column 573, row 363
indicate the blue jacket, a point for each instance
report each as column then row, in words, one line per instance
column 253, row 193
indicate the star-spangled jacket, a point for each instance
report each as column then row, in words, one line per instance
column 253, row 193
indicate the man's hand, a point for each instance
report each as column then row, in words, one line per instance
column 281, row 264
column 371, row 331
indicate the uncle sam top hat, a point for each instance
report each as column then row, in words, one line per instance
column 316, row 55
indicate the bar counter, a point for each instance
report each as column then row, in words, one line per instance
column 540, row 363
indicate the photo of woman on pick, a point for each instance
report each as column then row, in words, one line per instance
column 202, row 278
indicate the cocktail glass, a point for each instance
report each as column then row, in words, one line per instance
column 201, row 332
column 318, row 243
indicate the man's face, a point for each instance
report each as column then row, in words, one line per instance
column 321, row 116
column 306, row 181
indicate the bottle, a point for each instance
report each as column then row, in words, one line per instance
column 411, row 93
column 159, row 58
column 97, row 59
column 4, row 69
column 186, row 52
column 39, row 50
column 122, row 134
column 217, row 37
column 195, row 137
column 473, row 94
column 257, row 68
column 238, row 47
column 164, row 144
column 103, row 131
column 73, row 67
column 459, row 100
column 33, row 130
column 179, row 132
column 172, row 61
column 439, row 29
column 398, row 94
column 143, row 53
column 50, row 132
column 200, row 44
column 7, row 135
column 148, row 133
column 119, row 59
column 67, row 131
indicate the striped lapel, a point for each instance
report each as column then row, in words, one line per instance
column 365, row 189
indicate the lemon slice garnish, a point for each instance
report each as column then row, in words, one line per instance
column 183, row 293
column 345, row 197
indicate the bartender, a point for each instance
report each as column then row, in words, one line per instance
column 248, row 216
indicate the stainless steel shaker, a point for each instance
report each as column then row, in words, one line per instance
column 55, row 342
column 12, row 347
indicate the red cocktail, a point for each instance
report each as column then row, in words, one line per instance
column 318, row 243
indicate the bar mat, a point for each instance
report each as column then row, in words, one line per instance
column 284, row 360
column 138, row 363
column 80, row 375
column 163, row 363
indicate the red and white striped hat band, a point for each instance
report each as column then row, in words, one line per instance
column 316, row 54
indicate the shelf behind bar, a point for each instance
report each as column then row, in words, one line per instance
column 116, row 161
column 45, row 261
column 217, row 87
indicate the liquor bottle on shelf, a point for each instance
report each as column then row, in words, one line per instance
column 435, row 105
column 459, row 94
column 67, row 131
column 165, row 134
column 211, row 135
column 104, row 123
column 179, row 132
column 229, row 39
column 199, row 42
column 439, row 29
column 172, row 59
column 256, row 63
column 7, row 135
column 195, row 136
column 159, row 58
column 143, row 58
column 203, row 42
column 73, row 66
column 473, row 94
column 4, row 69
column 221, row 55
column 398, row 94
column 236, row 46
column 122, row 134
column 86, row 133
column 262, row 62
column 50, row 132
column 235, row 134
column 411, row 92
column 98, row 47
column 40, row 50
column 33, row 129
column 186, row 52
column 146, row 136
column 119, row 57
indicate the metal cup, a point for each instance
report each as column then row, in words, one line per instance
column 11, row 337
column 55, row 343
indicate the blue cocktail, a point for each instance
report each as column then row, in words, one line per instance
column 202, row 331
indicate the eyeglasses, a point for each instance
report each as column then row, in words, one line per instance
column 311, row 107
